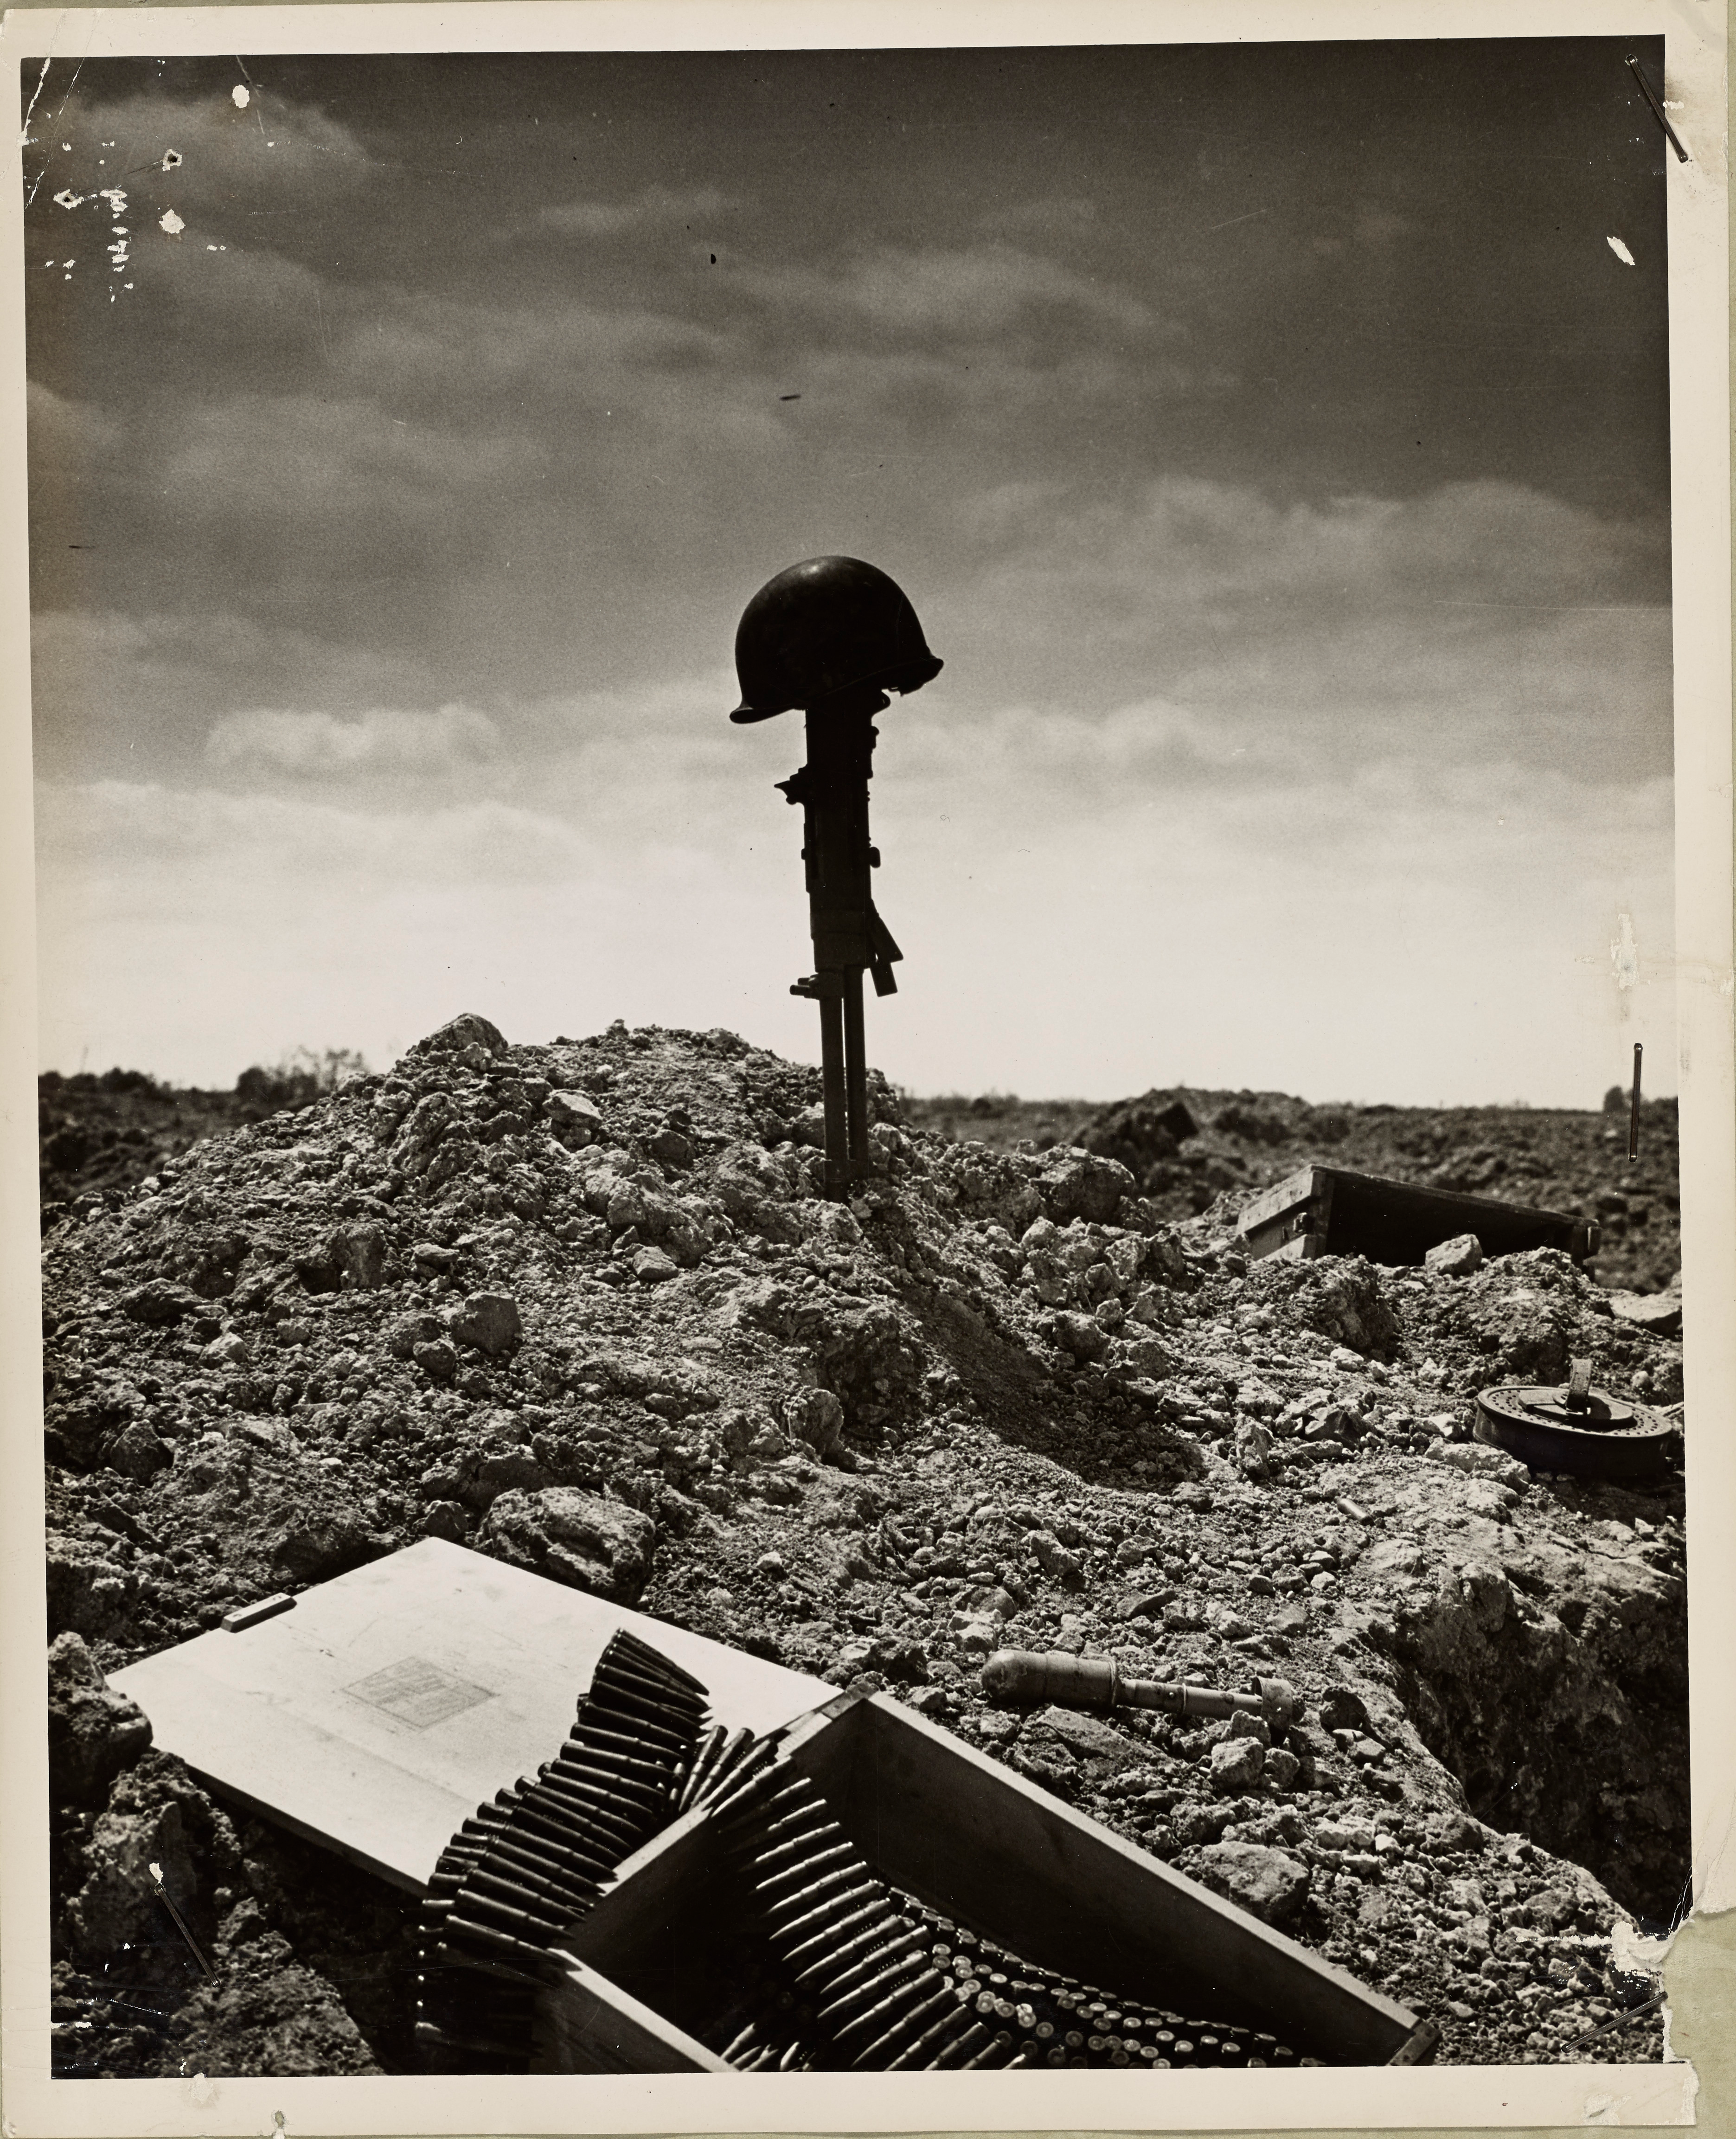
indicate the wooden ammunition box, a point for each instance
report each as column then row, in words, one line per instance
column 387, row 1705
column 1328, row 1210
column 655, row 1962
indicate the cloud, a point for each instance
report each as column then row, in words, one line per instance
column 65, row 433
column 1476, row 620
column 232, row 162
column 192, row 844
column 657, row 206
column 1187, row 542
column 970, row 293
column 318, row 745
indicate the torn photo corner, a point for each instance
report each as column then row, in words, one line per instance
column 580, row 1557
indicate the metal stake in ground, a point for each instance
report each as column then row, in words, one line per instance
column 1633, row 1115
column 831, row 637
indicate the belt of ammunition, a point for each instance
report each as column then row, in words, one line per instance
column 884, row 1967
column 875, row 2016
column 876, row 1911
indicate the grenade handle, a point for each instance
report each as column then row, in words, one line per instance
column 1023, row 1675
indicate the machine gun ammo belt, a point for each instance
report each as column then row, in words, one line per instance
column 531, row 1864
column 834, row 1970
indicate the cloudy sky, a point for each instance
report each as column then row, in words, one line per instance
column 1272, row 441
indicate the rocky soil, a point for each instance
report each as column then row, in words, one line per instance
column 1185, row 1147
column 580, row 1306
column 95, row 1132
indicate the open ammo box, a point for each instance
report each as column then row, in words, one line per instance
column 380, row 1713
column 1328, row 1210
column 662, row 1965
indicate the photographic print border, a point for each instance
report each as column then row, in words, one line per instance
column 1381, row 2098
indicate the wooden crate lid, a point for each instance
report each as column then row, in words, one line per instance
column 378, row 1714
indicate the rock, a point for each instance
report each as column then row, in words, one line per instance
column 231, row 1349
column 264, row 2011
column 358, row 1254
column 577, row 1538
column 900, row 1657
column 1268, row 1883
column 651, row 1267
column 1253, row 1449
column 1078, row 1184
column 1479, row 1460
column 487, row 1321
column 324, row 1534
column 460, row 1034
column 1341, row 1709
column 138, row 1454
column 87, row 1593
column 1148, row 1356
column 1457, row 1257
column 575, row 1120
column 1243, row 1725
column 669, row 1148
column 1658, row 1312
column 446, row 1519
column 751, row 1184
column 439, row 1361
column 159, row 1303
column 1235, row 1766
column 1085, row 1733
column 505, row 1470
column 816, row 1416
column 1281, row 1767
column 1080, row 1334
column 1055, row 1560
column 93, row 1731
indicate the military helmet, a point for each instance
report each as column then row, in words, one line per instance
column 822, row 626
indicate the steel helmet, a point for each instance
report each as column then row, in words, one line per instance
column 821, row 627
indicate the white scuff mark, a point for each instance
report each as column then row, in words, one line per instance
column 171, row 158
column 68, row 199
column 241, row 95
column 116, row 196
column 170, row 223
column 1621, row 251
column 1600, row 2109
column 67, row 146
column 1624, row 957
column 41, row 80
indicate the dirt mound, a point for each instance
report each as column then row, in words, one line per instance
column 582, row 1306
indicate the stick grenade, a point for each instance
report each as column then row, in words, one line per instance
column 1097, row 1682
column 1633, row 1112
column 831, row 637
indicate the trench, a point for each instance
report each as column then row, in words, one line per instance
column 1568, row 1726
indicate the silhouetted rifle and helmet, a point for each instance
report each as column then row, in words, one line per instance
column 831, row 637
